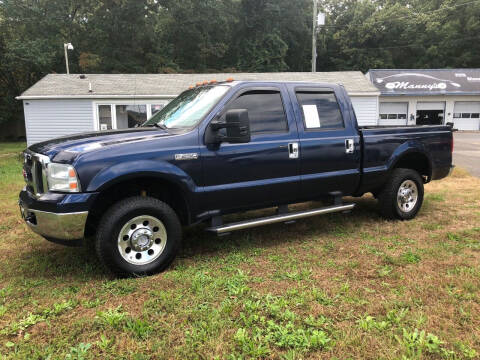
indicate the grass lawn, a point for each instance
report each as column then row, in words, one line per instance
column 338, row 286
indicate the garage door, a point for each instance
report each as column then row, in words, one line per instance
column 393, row 113
column 431, row 105
column 466, row 115
column 365, row 109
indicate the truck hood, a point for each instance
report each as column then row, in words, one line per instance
column 65, row 149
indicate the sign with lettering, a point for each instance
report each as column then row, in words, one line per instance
column 426, row 82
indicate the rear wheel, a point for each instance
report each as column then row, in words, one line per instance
column 402, row 196
column 138, row 236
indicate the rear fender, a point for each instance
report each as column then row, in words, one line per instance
column 407, row 148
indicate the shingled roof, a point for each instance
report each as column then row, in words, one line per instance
column 170, row 85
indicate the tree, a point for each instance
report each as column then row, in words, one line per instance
column 142, row 36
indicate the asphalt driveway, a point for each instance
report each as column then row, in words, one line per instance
column 466, row 153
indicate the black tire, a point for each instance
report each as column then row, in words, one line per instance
column 387, row 198
column 119, row 214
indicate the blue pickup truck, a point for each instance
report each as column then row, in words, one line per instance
column 221, row 148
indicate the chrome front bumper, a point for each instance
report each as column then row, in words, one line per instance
column 55, row 226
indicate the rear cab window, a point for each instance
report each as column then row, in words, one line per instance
column 320, row 110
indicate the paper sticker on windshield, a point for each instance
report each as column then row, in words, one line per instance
column 311, row 116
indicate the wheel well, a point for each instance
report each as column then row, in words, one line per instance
column 416, row 161
column 160, row 189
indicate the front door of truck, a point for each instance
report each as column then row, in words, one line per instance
column 263, row 171
column 329, row 141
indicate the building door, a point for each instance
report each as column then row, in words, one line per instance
column 430, row 113
column 393, row 113
column 466, row 115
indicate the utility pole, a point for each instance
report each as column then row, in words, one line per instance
column 314, row 37
column 318, row 20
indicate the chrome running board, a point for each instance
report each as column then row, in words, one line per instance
column 285, row 217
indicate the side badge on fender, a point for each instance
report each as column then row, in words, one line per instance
column 188, row 156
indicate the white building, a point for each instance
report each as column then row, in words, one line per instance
column 424, row 97
column 61, row 104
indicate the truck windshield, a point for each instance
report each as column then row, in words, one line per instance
column 189, row 108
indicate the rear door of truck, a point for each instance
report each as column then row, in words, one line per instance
column 330, row 152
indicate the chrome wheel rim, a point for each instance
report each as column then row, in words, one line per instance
column 407, row 196
column 142, row 240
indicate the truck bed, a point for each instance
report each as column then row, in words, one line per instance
column 425, row 144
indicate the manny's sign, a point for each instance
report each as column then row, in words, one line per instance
column 426, row 82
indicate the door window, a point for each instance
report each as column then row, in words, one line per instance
column 265, row 110
column 320, row 110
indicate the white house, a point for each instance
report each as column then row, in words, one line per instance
column 429, row 97
column 61, row 104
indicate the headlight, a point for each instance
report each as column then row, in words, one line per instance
column 62, row 177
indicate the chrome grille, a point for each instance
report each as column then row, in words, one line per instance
column 34, row 167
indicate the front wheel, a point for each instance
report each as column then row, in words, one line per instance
column 402, row 196
column 138, row 236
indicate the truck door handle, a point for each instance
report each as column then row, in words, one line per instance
column 349, row 146
column 293, row 150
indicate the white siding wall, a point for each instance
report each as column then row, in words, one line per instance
column 366, row 109
column 48, row 119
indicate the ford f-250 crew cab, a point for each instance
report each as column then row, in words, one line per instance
column 218, row 149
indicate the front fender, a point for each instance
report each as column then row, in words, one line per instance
column 137, row 168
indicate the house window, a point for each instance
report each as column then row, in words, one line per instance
column 156, row 108
column 124, row 116
column 129, row 116
column 466, row 115
column 105, row 117
column 393, row 116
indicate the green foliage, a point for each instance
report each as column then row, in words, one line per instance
column 141, row 329
column 112, row 317
column 78, row 352
column 270, row 322
column 416, row 343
